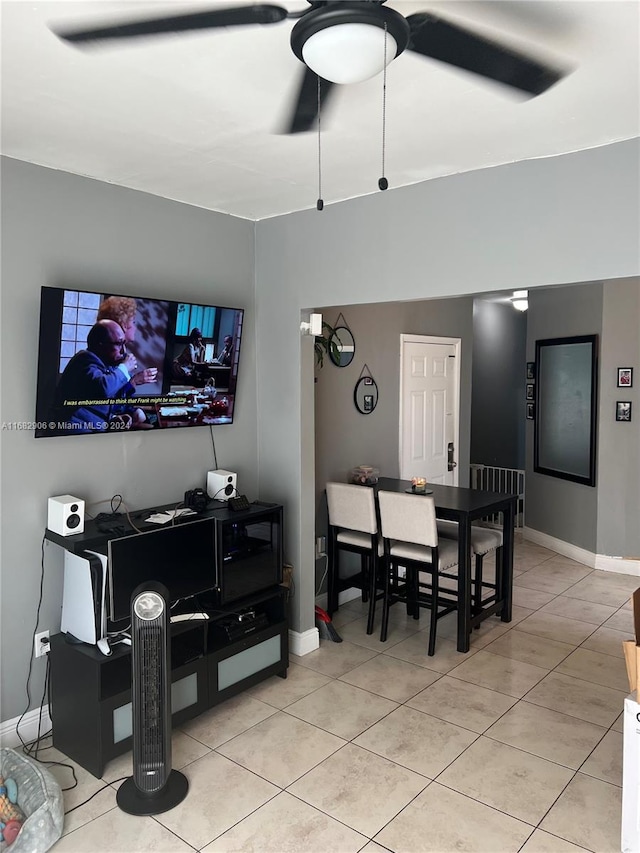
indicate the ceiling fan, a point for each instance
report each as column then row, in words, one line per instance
column 348, row 41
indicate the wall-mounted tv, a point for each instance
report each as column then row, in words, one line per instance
column 113, row 363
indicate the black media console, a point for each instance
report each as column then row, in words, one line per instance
column 244, row 641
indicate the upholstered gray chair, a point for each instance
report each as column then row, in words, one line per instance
column 353, row 527
column 410, row 539
column 483, row 540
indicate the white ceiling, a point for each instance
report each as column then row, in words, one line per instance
column 195, row 117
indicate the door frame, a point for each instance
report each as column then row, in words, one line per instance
column 432, row 339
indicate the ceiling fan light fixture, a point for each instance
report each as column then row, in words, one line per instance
column 345, row 42
column 349, row 53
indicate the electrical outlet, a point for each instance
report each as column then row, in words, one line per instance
column 41, row 644
column 321, row 546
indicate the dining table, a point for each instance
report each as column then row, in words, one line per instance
column 464, row 505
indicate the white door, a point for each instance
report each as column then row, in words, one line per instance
column 429, row 404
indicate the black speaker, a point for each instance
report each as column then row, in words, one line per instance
column 154, row 787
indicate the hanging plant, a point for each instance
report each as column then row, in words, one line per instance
column 325, row 344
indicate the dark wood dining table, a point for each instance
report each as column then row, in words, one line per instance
column 455, row 503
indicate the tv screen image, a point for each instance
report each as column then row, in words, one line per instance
column 113, row 363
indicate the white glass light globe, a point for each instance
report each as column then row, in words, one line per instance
column 349, row 53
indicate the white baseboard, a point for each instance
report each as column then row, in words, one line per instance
column 344, row 596
column 581, row 555
column 28, row 727
column 305, row 642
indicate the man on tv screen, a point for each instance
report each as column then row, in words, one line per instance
column 95, row 390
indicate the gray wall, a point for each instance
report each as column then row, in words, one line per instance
column 59, row 229
column 498, row 384
column 561, row 508
column 543, row 222
column 619, row 443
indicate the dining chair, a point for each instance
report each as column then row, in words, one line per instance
column 410, row 539
column 483, row 540
column 353, row 527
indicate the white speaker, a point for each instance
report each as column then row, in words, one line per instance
column 221, row 485
column 65, row 515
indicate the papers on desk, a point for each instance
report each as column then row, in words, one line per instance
column 168, row 515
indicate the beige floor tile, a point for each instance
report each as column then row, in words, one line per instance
column 567, row 567
column 499, row 673
column 372, row 847
column 488, row 631
column 100, row 804
column 334, row 659
column 116, row 832
column 398, row 630
column 227, row 720
column 417, row 741
column 272, row 748
column 547, row 734
column 531, row 598
column 529, row 648
column 618, row 725
column 73, row 797
column 627, row 582
column 287, row 825
column 605, row 762
column 390, row 677
column 345, row 615
column 543, row 842
column 467, row 705
column 622, row 620
column 211, row 808
column 577, row 698
column 563, row 630
column 596, row 668
column 607, row 642
column 588, row 813
column 414, row 650
column 575, row 608
column 551, row 577
column 358, row 788
column 281, row 692
column 600, row 590
column 441, row 821
column 342, row 709
column 521, row 785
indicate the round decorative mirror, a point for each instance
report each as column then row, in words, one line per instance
column 365, row 395
column 342, row 346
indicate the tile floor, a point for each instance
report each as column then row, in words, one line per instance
column 515, row 746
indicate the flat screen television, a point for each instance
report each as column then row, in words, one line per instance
column 182, row 557
column 113, row 363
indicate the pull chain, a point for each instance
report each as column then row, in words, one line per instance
column 320, row 202
column 383, row 183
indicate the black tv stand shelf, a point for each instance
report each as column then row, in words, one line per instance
column 91, row 692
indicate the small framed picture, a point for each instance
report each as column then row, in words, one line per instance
column 530, row 407
column 368, row 380
column 368, row 402
column 623, row 411
column 625, row 377
column 530, row 390
column 531, row 370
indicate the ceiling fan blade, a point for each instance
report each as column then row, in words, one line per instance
column 439, row 39
column 305, row 111
column 257, row 14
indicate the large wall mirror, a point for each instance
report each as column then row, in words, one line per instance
column 565, row 411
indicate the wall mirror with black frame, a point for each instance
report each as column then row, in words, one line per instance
column 343, row 344
column 566, row 408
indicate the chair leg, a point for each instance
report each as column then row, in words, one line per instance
column 365, row 575
column 499, row 578
column 477, row 586
column 434, row 611
column 373, row 591
column 388, row 569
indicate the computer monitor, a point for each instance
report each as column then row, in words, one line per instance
column 181, row 556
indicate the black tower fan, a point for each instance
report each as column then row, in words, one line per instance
column 154, row 786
